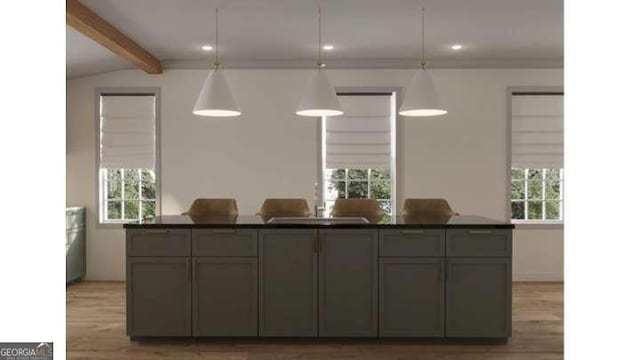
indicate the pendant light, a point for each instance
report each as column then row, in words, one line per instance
column 319, row 98
column 215, row 98
column 421, row 98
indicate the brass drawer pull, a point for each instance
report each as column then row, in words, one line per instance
column 189, row 271
column 194, row 269
column 223, row 231
column 480, row 232
column 412, row 232
column 164, row 231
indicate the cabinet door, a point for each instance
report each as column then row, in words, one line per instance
column 478, row 298
column 411, row 297
column 225, row 296
column 288, row 303
column 76, row 259
column 348, row 288
column 158, row 296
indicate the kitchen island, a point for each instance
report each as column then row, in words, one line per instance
column 246, row 276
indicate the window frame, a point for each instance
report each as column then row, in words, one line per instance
column 104, row 200
column 543, row 200
column 526, row 224
column 369, row 180
column 100, row 218
column 396, row 131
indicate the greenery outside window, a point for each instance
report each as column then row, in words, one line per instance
column 127, row 195
column 358, row 184
column 537, row 195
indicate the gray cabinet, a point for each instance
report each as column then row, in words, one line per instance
column 412, row 297
column 225, row 242
column 327, row 282
column 76, row 259
column 412, row 243
column 158, row 296
column 76, row 244
column 159, row 242
column 76, row 217
column 288, row 280
column 479, row 243
column 478, row 298
column 225, row 296
column 348, row 283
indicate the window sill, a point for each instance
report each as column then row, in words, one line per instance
column 538, row 225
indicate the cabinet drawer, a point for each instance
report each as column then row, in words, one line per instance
column 479, row 243
column 158, row 242
column 75, row 219
column 225, row 242
column 412, row 243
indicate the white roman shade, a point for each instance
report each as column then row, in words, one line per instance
column 537, row 130
column 127, row 136
column 361, row 138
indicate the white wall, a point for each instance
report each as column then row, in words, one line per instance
column 271, row 152
column 538, row 255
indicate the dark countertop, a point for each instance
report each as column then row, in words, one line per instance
column 257, row 222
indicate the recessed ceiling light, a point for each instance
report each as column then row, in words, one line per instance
column 207, row 47
column 456, row 47
column 328, row 47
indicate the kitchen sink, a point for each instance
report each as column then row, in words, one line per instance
column 317, row 221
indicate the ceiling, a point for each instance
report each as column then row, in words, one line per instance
column 365, row 33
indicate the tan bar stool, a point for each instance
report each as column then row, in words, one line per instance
column 427, row 207
column 201, row 208
column 366, row 208
column 284, row 208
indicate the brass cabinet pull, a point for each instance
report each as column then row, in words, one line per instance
column 223, row 231
column 480, row 232
column 445, row 267
column 195, row 270
column 161, row 231
column 409, row 232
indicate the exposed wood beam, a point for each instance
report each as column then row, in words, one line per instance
column 96, row 28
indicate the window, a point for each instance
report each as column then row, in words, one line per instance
column 537, row 154
column 358, row 184
column 126, row 176
column 536, row 194
column 358, row 151
column 130, row 194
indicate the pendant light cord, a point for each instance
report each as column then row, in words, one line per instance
column 217, row 62
column 423, row 63
column 320, row 64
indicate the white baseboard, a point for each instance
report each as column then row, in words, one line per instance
column 538, row 277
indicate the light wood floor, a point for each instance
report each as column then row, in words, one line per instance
column 96, row 330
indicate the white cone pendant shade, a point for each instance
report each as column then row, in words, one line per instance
column 216, row 98
column 319, row 99
column 421, row 98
